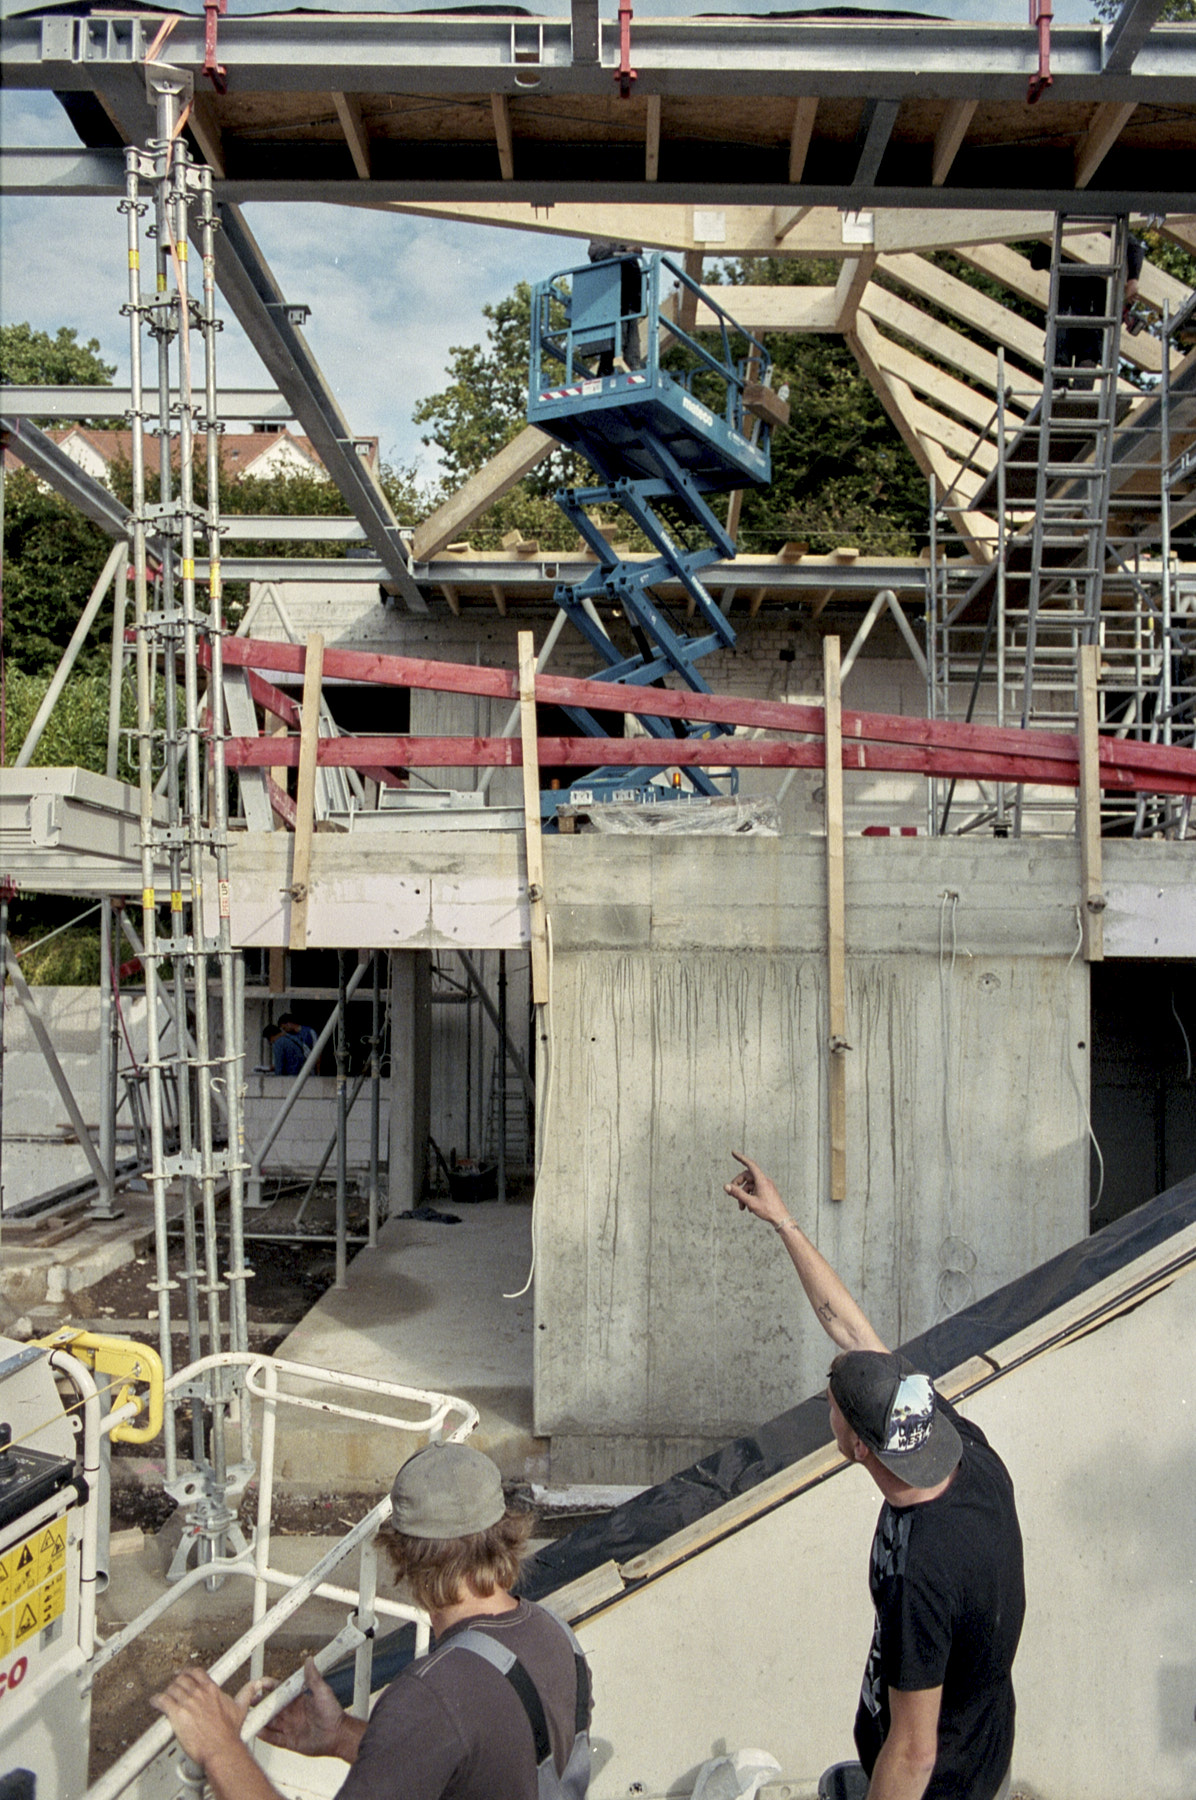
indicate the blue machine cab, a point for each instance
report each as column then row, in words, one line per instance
column 667, row 419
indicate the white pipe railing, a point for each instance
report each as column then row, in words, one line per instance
column 262, row 1375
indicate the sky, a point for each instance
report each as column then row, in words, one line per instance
column 389, row 294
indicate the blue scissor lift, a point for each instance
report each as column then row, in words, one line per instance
column 653, row 435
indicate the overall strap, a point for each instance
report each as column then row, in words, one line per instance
column 508, row 1664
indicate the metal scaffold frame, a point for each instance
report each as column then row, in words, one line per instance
column 1081, row 485
column 180, row 756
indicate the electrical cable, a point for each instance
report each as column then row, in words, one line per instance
column 545, row 1112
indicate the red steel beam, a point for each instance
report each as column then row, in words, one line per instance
column 672, row 703
column 587, row 752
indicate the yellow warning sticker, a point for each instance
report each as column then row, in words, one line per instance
column 147, row 899
column 49, row 1602
column 188, row 568
column 51, row 1550
column 26, row 1619
column 134, row 259
column 176, row 900
column 25, row 1574
column 7, row 1565
column 5, row 1632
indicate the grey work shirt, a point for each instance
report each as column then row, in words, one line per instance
column 450, row 1727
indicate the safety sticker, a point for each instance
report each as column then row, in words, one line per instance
column 223, row 888
column 49, row 1601
column 51, row 1550
column 25, row 1575
column 5, row 1633
column 26, row 1619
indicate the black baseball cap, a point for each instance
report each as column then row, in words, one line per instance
column 892, row 1408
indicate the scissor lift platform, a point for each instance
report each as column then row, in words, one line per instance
column 625, row 416
column 655, row 436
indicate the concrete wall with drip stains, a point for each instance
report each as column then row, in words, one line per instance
column 689, row 1019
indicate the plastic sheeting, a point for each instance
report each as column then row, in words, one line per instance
column 655, row 1515
column 721, row 817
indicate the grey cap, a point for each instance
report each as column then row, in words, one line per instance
column 893, row 1409
column 446, row 1491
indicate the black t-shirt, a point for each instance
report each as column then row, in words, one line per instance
column 946, row 1581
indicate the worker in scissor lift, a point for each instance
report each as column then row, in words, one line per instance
column 499, row 1706
column 631, row 302
column 936, row 1710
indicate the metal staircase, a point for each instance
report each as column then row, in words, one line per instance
column 666, row 423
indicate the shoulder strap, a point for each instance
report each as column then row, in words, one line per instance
column 508, row 1664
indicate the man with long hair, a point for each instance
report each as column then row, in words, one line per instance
column 503, row 1692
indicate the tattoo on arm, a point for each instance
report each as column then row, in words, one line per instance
column 826, row 1311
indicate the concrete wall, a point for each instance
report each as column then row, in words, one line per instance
column 39, row 1149
column 689, row 1019
column 761, row 1639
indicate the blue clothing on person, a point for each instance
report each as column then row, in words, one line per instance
column 289, row 1054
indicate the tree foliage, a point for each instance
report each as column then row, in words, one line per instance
column 34, row 358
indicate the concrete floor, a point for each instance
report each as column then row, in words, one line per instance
column 426, row 1309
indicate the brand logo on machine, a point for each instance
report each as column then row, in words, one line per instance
column 698, row 411
column 13, row 1676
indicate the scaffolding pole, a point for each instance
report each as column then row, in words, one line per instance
column 177, row 628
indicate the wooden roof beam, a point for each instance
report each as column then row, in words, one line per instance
column 854, row 277
column 652, row 139
column 205, row 129
column 872, row 139
column 1104, row 128
column 348, row 111
column 949, row 137
column 800, row 133
column 500, row 108
column 943, row 391
column 750, row 230
column 919, row 276
column 475, row 496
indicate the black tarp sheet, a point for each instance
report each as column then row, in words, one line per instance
column 660, row 1511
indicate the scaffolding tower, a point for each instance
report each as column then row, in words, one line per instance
column 1089, row 478
column 184, row 811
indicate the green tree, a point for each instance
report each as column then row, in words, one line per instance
column 484, row 407
column 34, row 358
column 52, row 557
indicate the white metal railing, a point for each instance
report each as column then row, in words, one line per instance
column 428, row 1414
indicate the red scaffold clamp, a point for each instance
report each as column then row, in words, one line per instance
column 625, row 74
column 213, row 12
column 1040, row 18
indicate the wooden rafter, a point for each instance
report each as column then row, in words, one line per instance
column 348, row 111
column 652, row 139
column 472, row 499
column 854, row 277
column 800, row 133
column 919, row 276
column 1106, row 125
column 500, row 108
column 949, row 137
column 205, row 129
